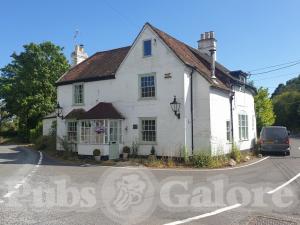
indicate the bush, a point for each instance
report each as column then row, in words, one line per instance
column 202, row 159
column 185, row 155
column 36, row 132
column 45, row 143
column 152, row 150
column 96, row 152
column 126, row 149
column 236, row 154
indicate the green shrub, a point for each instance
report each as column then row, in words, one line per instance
column 152, row 150
column 235, row 154
column 185, row 155
column 170, row 162
column 45, row 143
column 36, row 132
column 126, row 149
column 96, row 152
column 202, row 159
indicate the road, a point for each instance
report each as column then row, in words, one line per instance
column 35, row 189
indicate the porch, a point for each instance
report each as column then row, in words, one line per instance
column 98, row 128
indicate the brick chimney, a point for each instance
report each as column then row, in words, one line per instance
column 208, row 45
column 78, row 55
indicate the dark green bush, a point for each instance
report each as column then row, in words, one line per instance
column 45, row 143
column 36, row 132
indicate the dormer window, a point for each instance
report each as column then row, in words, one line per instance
column 147, row 48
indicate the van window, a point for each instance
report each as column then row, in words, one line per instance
column 273, row 133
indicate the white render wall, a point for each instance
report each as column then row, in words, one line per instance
column 123, row 92
column 244, row 102
column 219, row 114
column 47, row 125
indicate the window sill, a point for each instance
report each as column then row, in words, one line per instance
column 147, row 98
column 243, row 140
column 79, row 104
column 146, row 56
column 148, row 143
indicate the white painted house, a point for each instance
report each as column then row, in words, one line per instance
column 122, row 96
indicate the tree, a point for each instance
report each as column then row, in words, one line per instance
column 264, row 108
column 287, row 109
column 4, row 115
column 27, row 84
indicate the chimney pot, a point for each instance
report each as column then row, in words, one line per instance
column 78, row 55
column 202, row 36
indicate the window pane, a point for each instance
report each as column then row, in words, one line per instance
column 148, row 131
column 147, row 48
column 78, row 94
column 147, row 85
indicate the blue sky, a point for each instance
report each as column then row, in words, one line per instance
column 251, row 34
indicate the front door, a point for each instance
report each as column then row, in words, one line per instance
column 114, row 142
column 113, row 150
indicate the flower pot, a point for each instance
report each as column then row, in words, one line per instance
column 125, row 156
column 98, row 158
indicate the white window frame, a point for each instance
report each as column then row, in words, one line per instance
column 147, row 142
column 73, row 131
column 88, row 135
column 85, row 131
column 75, row 102
column 145, row 56
column 243, row 126
column 140, row 77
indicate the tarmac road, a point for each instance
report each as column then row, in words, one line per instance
column 45, row 191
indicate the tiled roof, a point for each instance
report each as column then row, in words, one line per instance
column 103, row 65
column 186, row 54
column 100, row 66
column 75, row 114
column 102, row 110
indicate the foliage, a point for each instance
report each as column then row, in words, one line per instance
column 96, row 152
column 202, row 159
column 291, row 85
column 264, row 109
column 32, row 73
column 286, row 98
column 36, row 132
column 65, row 144
column 170, row 162
column 4, row 116
column 126, row 149
column 236, row 154
column 45, row 143
column 287, row 109
column 152, row 150
column 135, row 148
column 185, row 155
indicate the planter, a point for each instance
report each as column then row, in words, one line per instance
column 125, row 155
column 98, row 158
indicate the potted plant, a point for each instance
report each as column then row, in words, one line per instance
column 126, row 151
column 152, row 155
column 97, row 154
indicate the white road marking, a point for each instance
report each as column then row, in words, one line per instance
column 188, row 170
column 18, row 185
column 8, row 194
column 285, row 184
column 205, row 215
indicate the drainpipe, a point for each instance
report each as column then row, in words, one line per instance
column 192, row 111
column 231, row 95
